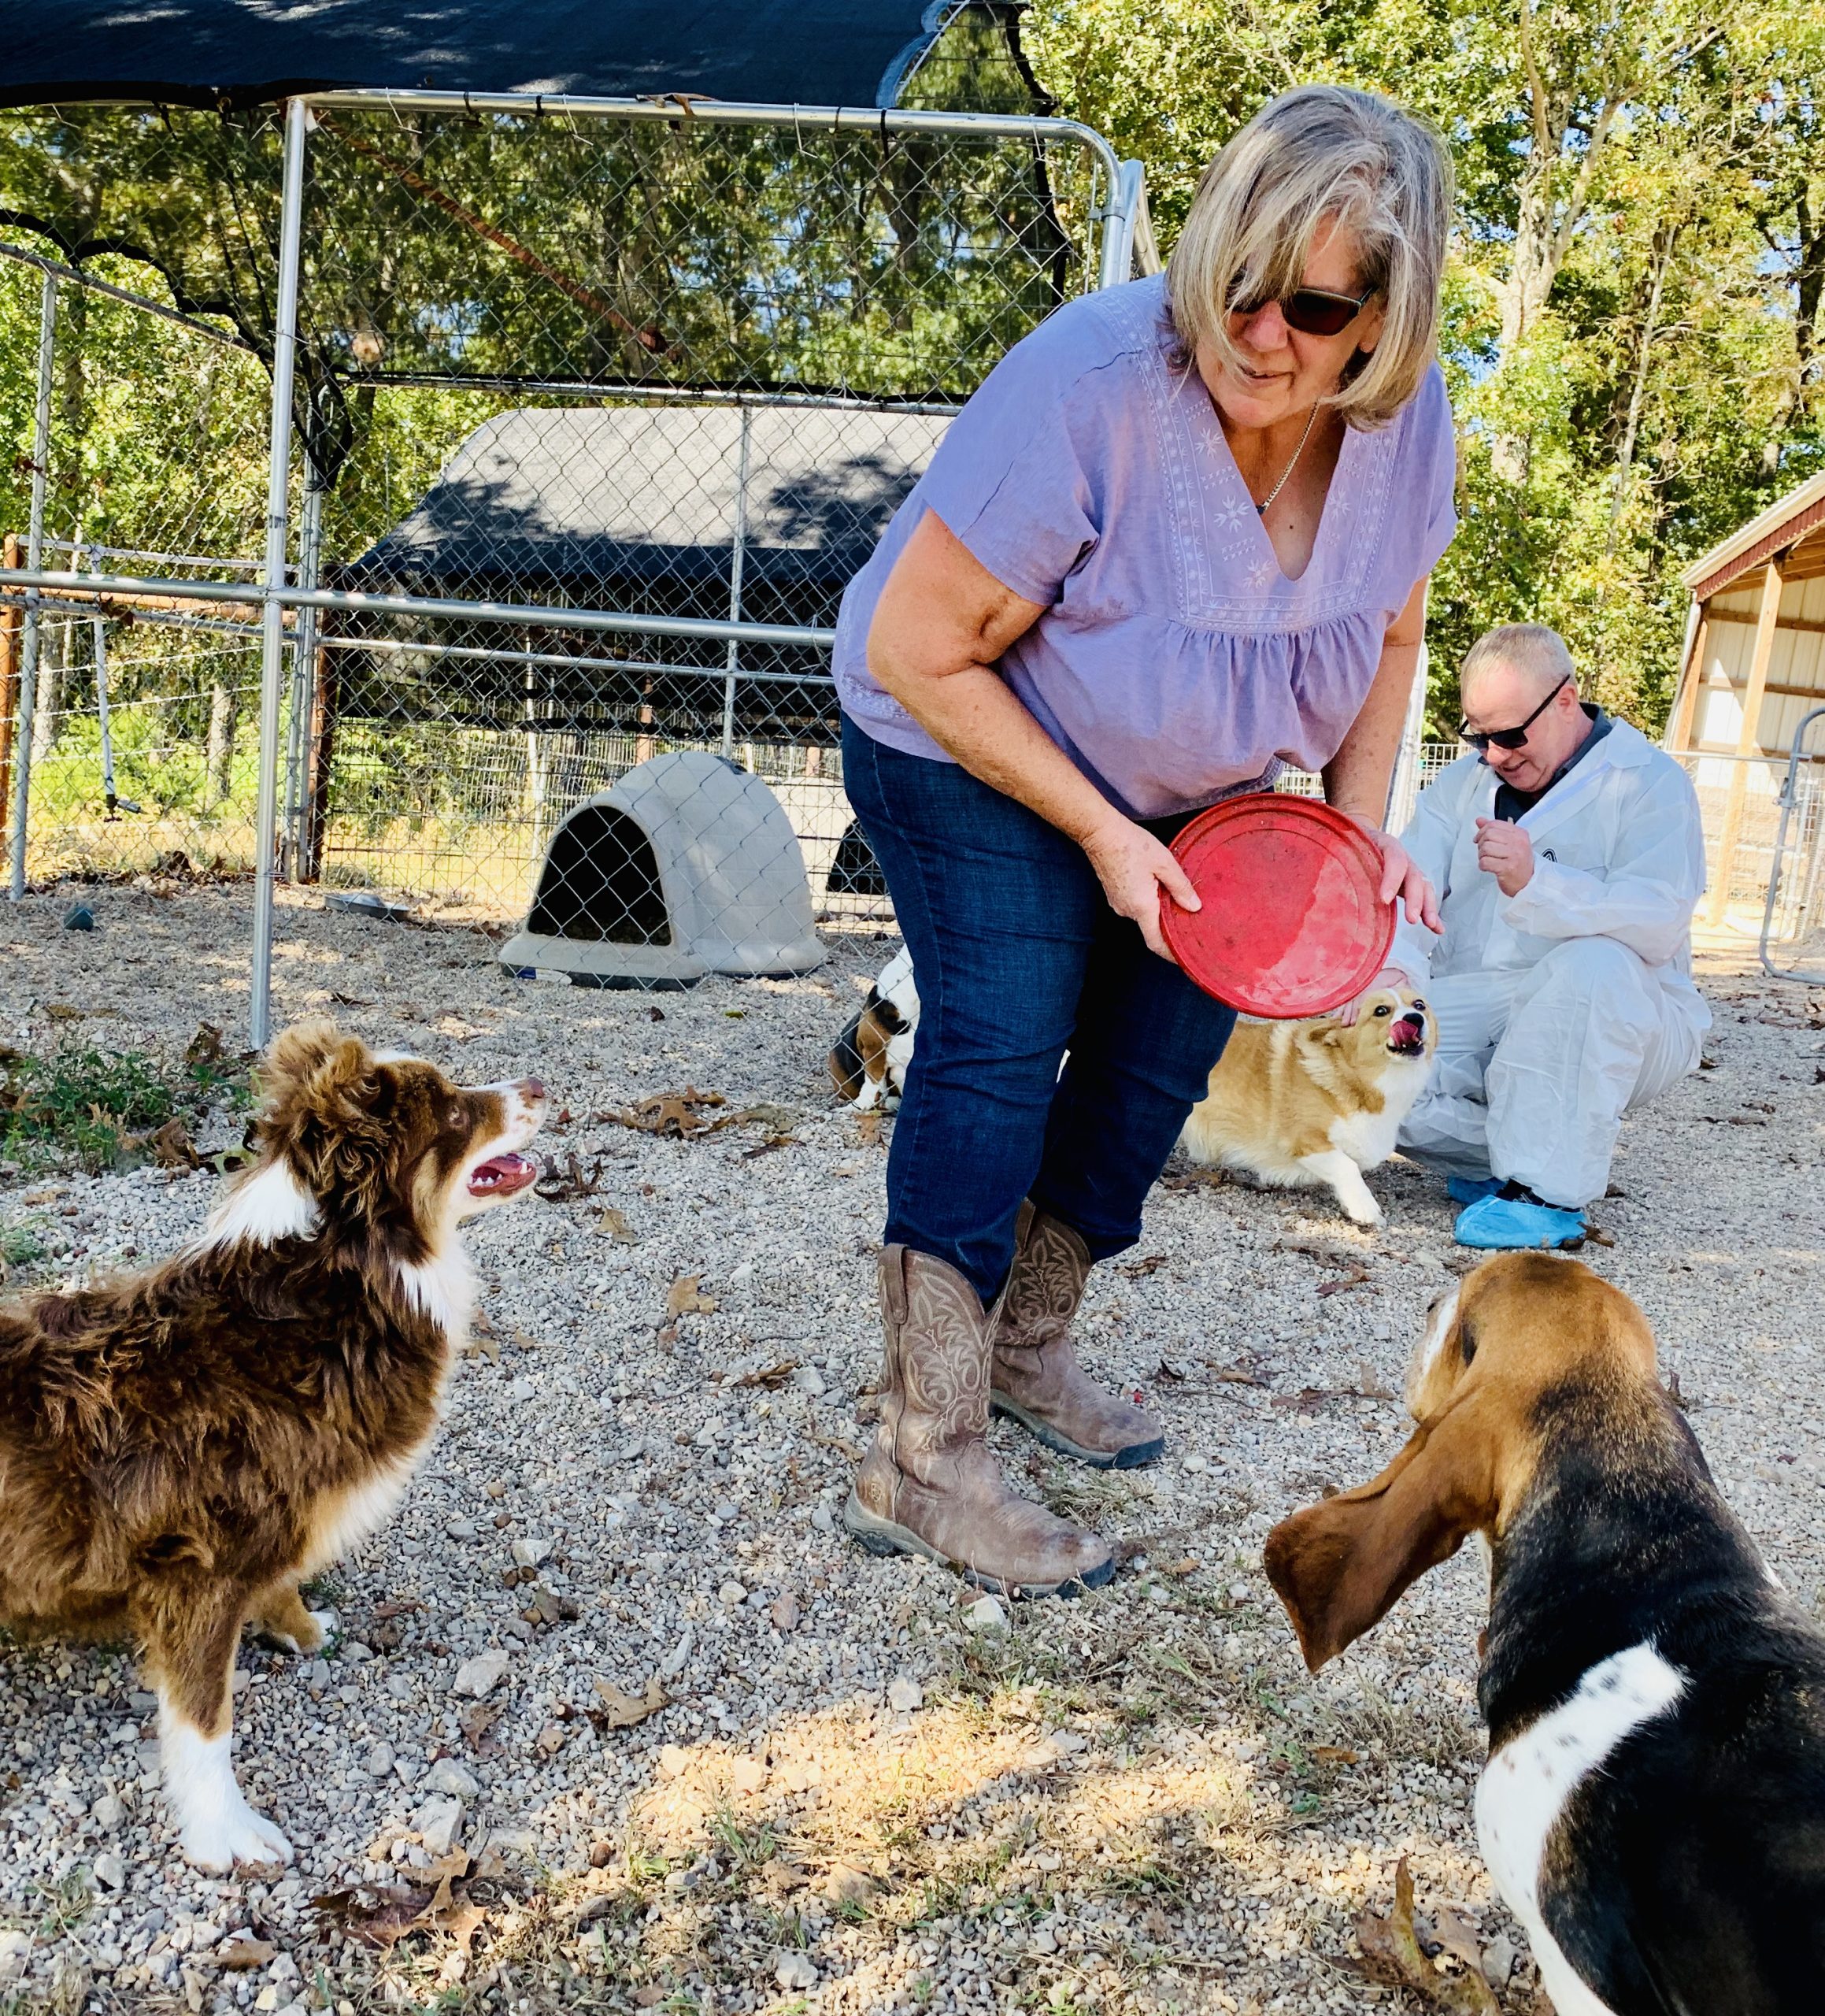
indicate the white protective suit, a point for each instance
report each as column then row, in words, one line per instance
column 1562, row 1005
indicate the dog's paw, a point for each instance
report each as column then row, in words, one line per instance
column 1371, row 1217
column 234, row 1834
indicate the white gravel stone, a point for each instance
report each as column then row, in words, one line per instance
column 482, row 1674
column 986, row 1614
column 905, row 1693
column 449, row 1777
column 440, row 1821
column 796, row 1972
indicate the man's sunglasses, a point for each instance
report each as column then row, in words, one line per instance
column 1314, row 311
column 1508, row 738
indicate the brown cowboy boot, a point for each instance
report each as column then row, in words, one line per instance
column 1037, row 1379
column 929, row 1484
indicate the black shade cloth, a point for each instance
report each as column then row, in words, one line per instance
column 206, row 52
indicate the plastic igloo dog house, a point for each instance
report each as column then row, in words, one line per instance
column 688, row 866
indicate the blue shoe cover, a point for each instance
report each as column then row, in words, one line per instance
column 1507, row 1225
column 1471, row 1189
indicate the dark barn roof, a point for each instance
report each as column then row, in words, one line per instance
column 622, row 506
column 202, row 52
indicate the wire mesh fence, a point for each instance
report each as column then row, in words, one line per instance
column 596, row 409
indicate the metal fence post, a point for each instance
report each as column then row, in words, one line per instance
column 33, row 559
column 272, row 578
column 737, row 556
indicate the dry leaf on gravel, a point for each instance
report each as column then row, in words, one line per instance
column 677, row 1115
column 171, row 1146
column 622, row 1711
column 612, row 1225
column 771, row 1377
column 1391, row 1953
column 241, row 1952
column 868, row 1128
column 1332, row 1753
column 682, row 1299
column 1358, row 1277
column 399, row 1910
column 1368, row 1384
column 559, row 1186
column 476, row 1721
column 205, row 1046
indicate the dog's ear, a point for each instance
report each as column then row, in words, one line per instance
column 296, row 1055
column 1340, row 1566
column 324, row 1097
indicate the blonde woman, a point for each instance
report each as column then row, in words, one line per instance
column 1180, row 537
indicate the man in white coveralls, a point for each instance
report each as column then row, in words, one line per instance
column 1568, row 858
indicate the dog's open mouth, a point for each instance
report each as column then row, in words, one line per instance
column 1408, row 1037
column 502, row 1175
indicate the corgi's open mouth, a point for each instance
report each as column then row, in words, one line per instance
column 1408, row 1037
column 502, row 1175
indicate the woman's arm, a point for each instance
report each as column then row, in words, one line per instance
column 941, row 623
column 1357, row 777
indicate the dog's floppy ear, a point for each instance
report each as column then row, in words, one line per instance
column 298, row 1054
column 322, row 1089
column 1340, row 1566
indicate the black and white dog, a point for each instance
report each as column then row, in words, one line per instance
column 1653, row 1807
column 868, row 1061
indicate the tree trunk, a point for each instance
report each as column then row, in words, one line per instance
column 1664, row 240
column 53, row 636
column 221, row 760
column 1808, row 334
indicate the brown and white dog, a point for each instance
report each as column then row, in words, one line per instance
column 179, row 1449
column 868, row 1061
column 1296, row 1105
column 1653, row 1807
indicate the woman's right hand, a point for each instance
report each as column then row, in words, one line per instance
column 1133, row 868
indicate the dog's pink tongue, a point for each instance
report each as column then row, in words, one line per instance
column 1409, row 1034
column 500, row 1175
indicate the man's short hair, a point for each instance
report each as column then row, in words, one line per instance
column 1539, row 650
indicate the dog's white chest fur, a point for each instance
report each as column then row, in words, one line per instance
column 1525, row 1786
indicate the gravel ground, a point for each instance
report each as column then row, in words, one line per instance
column 862, row 1791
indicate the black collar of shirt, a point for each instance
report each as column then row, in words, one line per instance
column 1511, row 804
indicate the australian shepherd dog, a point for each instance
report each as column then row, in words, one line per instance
column 179, row 1449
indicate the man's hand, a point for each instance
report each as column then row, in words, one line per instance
column 1505, row 851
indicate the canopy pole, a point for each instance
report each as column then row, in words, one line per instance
column 33, row 559
column 272, row 577
column 303, row 675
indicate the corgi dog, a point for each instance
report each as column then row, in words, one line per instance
column 868, row 1061
column 179, row 1449
column 1299, row 1105
column 1653, row 1810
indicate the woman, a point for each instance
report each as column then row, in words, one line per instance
column 1180, row 535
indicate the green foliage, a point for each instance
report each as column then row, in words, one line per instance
column 81, row 1101
column 1632, row 326
column 1667, row 385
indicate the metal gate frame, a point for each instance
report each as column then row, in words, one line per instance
column 1797, row 755
column 1121, row 211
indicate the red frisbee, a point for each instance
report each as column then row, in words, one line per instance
column 1292, row 924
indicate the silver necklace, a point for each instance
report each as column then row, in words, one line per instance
column 1311, row 420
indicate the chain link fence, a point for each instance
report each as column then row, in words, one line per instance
column 584, row 415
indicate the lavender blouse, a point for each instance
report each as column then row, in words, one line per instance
column 1175, row 662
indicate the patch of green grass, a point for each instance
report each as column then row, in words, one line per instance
column 81, row 1101
column 20, row 1244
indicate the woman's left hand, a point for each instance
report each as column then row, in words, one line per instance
column 1401, row 879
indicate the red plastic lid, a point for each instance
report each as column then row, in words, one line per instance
column 1292, row 925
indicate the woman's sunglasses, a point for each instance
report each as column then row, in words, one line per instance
column 1508, row 738
column 1314, row 311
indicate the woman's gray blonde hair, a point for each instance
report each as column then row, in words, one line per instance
column 1323, row 154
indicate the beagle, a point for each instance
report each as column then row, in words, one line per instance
column 868, row 1061
column 1653, row 1807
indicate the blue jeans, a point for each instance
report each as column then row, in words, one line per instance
column 1018, row 958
